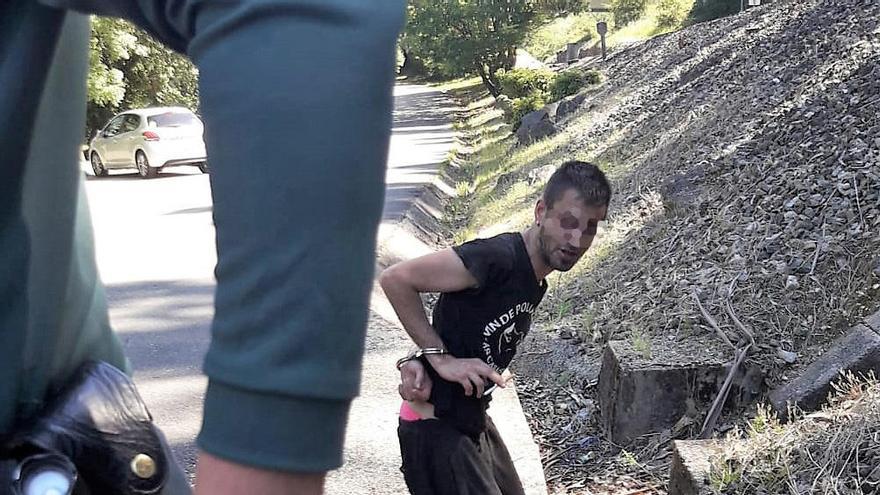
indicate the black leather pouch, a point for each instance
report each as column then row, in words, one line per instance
column 101, row 424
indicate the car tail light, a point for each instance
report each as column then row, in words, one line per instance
column 151, row 136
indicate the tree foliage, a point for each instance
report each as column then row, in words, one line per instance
column 557, row 7
column 705, row 10
column 459, row 37
column 626, row 11
column 672, row 13
column 130, row 69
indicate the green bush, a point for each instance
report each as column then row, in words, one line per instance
column 672, row 13
column 519, row 83
column 627, row 11
column 571, row 81
column 525, row 105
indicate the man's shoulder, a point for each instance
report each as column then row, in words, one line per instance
column 490, row 257
column 502, row 243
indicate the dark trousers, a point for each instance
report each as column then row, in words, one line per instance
column 440, row 460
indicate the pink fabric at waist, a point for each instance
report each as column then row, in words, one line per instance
column 407, row 413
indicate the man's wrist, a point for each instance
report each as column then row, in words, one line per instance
column 423, row 353
column 437, row 359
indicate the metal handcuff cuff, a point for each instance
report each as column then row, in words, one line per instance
column 426, row 351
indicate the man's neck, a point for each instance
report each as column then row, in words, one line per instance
column 530, row 237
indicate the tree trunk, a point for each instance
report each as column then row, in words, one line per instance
column 412, row 65
column 511, row 58
column 489, row 80
column 407, row 62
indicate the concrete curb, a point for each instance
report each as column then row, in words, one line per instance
column 689, row 472
column 873, row 322
column 858, row 351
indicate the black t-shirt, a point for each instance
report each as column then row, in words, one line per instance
column 486, row 322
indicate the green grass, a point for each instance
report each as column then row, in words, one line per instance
column 639, row 30
column 553, row 35
column 641, row 344
column 646, row 27
column 825, row 450
column 511, row 209
column 457, row 84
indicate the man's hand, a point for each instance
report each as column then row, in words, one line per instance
column 472, row 374
column 415, row 384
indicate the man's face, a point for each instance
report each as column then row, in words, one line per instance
column 567, row 229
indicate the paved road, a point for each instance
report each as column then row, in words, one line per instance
column 155, row 243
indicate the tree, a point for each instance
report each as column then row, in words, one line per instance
column 705, row 10
column 112, row 42
column 129, row 69
column 557, row 7
column 458, row 37
column 626, row 11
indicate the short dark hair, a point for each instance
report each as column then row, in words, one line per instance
column 585, row 178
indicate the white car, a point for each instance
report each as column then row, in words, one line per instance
column 149, row 140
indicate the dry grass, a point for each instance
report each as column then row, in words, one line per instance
column 835, row 451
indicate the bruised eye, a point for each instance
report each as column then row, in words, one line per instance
column 569, row 222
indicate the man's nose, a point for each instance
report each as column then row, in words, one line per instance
column 576, row 238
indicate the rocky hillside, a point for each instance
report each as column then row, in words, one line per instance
column 745, row 157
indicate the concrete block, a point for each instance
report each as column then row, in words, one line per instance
column 639, row 395
column 536, row 125
column 858, row 351
column 573, row 50
column 569, row 105
column 689, row 473
column 873, row 322
column 551, row 109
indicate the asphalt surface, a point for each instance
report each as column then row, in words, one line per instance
column 155, row 249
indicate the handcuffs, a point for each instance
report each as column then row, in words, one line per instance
column 425, row 351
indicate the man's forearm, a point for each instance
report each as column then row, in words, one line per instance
column 409, row 308
column 471, row 374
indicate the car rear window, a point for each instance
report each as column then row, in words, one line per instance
column 172, row 119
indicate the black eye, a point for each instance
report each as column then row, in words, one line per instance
column 568, row 222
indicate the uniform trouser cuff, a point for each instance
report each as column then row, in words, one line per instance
column 273, row 431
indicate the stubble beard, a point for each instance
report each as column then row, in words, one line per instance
column 546, row 253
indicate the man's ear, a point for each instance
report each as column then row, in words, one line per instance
column 540, row 211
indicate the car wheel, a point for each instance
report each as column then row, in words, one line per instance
column 203, row 167
column 97, row 165
column 143, row 166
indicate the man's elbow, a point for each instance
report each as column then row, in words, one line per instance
column 390, row 278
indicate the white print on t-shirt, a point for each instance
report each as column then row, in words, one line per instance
column 507, row 336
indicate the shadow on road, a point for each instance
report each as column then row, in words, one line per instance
column 164, row 327
column 420, row 110
column 115, row 176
